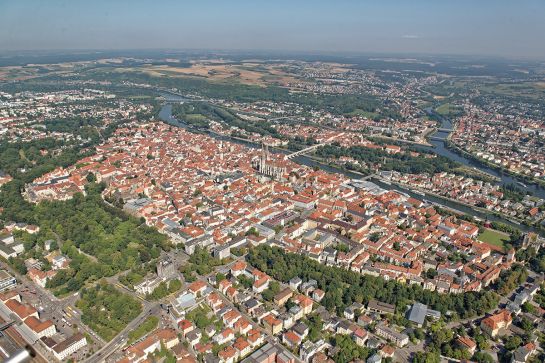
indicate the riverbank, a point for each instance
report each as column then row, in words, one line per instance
column 443, row 146
column 452, row 146
column 475, row 208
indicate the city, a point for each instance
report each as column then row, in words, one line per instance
column 244, row 206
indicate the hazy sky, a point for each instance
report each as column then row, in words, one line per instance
column 482, row 27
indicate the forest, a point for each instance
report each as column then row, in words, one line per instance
column 402, row 163
column 110, row 241
column 198, row 114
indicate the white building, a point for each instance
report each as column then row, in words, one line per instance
column 69, row 346
column 6, row 281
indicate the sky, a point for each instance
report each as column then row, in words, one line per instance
column 508, row 28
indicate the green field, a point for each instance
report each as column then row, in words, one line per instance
column 447, row 109
column 494, row 237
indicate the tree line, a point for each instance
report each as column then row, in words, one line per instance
column 343, row 287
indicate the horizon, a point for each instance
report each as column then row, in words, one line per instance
column 497, row 29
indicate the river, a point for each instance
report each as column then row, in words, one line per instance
column 165, row 115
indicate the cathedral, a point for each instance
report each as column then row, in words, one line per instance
column 266, row 165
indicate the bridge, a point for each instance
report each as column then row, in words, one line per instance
column 445, row 130
column 437, row 138
column 313, row 147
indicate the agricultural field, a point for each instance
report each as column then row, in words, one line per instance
column 249, row 73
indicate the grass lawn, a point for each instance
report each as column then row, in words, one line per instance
column 494, row 237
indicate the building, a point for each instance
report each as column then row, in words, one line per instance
column 375, row 358
column 166, row 269
column 265, row 165
column 380, row 307
column 63, row 349
column 522, row 354
column 467, row 343
column 6, row 281
column 40, row 328
column 21, row 310
column 183, row 302
column 222, row 252
column 419, row 312
column 283, row 296
column 400, row 339
column 41, row 277
column 273, row 325
column 148, row 285
column 494, row 323
column 295, row 283
column 154, row 341
column 270, row 353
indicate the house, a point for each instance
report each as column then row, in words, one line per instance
column 148, row 285
column 522, row 354
column 210, row 331
column 228, row 355
column 309, row 349
column 242, row 326
column 305, row 303
column 222, row 251
column 291, row 339
column 255, row 338
column 168, row 337
column 283, row 296
column 360, row 336
column 272, row 325
column 238, row 268
column 318, row 295
column 387, row 351
column 197, row 287
column 225, row 336
column 295, row 283
column 467, row 343
column 261, row 284
column 185, row 326
column 242, row 347
column 494, row 323
column 301, row 330
column 193, row 337
column 60, row 262
column 40, row 277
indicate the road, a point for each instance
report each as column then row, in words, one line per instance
column 148, row 309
